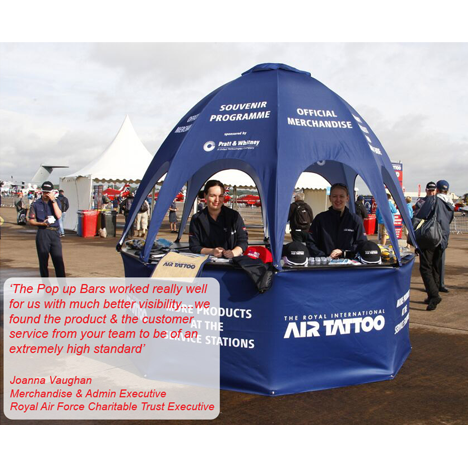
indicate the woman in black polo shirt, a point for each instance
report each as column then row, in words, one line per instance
column 336, row 232
column 217, row 230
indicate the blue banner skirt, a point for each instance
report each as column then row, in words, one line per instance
column 314, row 329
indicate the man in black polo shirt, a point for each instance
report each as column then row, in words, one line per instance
column 45, row 213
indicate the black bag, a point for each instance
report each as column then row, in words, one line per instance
column 302, row 217
column 21, row 217
column 65, row 204
column 144, row 208
column 428, row 233
column 260, row 273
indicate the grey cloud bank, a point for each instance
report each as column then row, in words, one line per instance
column 64, row 103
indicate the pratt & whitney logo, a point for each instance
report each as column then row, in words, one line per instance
column 209, row 146
column 231, row 145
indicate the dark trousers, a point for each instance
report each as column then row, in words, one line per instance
column 48, row 243
column 429, row 267
column 131, row 232
column 442, row 270
column 300, row 236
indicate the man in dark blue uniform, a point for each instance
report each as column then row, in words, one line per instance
column 45, row 214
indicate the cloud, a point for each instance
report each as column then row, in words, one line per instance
column 426, row 154
column 167, row 64
column 66, row 102
column 32, row 141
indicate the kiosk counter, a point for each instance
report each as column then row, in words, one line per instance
column 316, row 328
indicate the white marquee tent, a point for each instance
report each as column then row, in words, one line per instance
column 124, row 161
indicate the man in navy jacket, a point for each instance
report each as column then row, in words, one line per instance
column 430, row 260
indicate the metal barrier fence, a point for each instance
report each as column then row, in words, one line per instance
column 8, row 201
column 459, row 224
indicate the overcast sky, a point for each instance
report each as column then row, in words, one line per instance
column 62, row 104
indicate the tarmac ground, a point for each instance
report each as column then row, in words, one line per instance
column 431, row 387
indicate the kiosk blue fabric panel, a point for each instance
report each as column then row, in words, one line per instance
column 314, row 329
column 295, row 338
column 274, row 122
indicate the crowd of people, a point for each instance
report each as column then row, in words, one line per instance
column 220, row 231
column 139, row 227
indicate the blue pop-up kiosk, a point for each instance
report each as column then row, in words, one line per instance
column 315, row 328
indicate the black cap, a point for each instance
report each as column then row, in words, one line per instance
column 369, row 252
column 47, row 186
column 296, row 254
column 431, row 186
column 360, row 198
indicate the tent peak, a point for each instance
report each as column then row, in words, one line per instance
column 274, row 66
column 127, row 122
